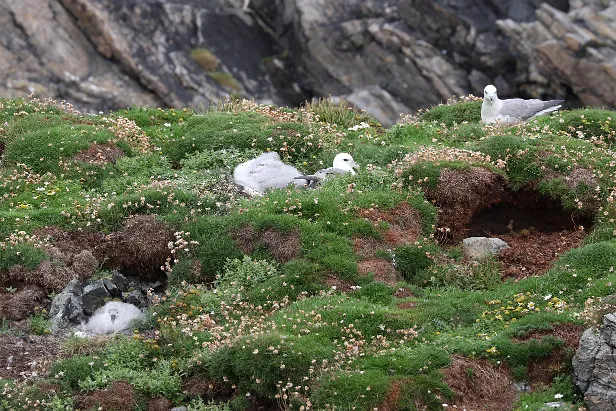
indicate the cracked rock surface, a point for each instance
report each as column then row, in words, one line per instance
column 594, row 366
column 389, row 55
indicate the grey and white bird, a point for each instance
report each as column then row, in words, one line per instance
column 515, row 110
column 265, row 172
column 343, row 163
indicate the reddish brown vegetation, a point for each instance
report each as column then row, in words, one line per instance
column 99, row 154
column 26, row 354
column 541, row 371
column 159, row 404
column 390, row 403
column 119, row 397
column 460, row 194
column 201, row 386
column 141, row 247
column 53, row 275
column 283, row 247
column 532, row 252
column 404, row 227
column 18, row 305
column 480, row 385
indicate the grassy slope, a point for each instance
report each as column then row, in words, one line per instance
column 279, row 330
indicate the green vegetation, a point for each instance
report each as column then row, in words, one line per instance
column 305, row 298
column 225, row 80
column 205, row 58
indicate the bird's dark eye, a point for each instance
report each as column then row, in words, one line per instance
column 346, row 159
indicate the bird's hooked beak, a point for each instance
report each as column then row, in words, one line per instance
column 354, row 165
column 491, row 99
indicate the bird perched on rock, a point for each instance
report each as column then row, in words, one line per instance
column 343, row 163
column 112, row 317
column 497, row 111
column 267, row 171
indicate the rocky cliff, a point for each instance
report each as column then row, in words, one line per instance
column 386, row 56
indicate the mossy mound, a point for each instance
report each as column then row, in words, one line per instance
column 308, row 298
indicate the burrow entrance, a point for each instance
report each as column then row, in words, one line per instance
column 524, row 210
column 477, row 202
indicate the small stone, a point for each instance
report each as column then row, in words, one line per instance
column 477, row 248
column 522, row 386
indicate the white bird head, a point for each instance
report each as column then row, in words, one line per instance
column 489, row 94
column 344, row 161
column 113, row 313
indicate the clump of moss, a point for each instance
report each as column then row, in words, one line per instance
column 225, row 80
column 205, row 58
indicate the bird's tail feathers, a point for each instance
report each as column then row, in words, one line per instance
column 307, row 178
column 550, row 109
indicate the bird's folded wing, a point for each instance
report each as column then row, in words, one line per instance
column 525, row 109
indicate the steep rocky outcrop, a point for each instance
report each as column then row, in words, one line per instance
column 594, row 364
column 575, row 50
column 389, row 55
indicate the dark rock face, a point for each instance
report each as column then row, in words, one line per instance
column 104, row 54
column 66, row 307
column 594, row 364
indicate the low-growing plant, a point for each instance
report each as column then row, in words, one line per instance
column 450, row 114
column 338, row 112
column 413, row 259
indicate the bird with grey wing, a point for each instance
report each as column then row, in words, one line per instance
column 515, row 110
column 267, row 172
column 343, row 163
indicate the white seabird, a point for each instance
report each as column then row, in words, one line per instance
column 265, row 172
column 515, row 110
column 343, row 163
column 112, row 317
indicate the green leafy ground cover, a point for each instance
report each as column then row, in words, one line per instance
column 270, row 301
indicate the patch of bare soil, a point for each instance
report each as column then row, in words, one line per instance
column 159, row 404
column 532, row 252
column 283, row 247
column 341, row 285
column 460, row 194
column 100, row 154
column 201, row 386
column 407, row 305
column 524, row 210
column 403, row 293
column 119, row 397
column 20, row 304
column 390, row 403
column 480, row 385
column 382, row 269
column 25, row 356
column 404, row 224
column 404, row 227
column 542, row 371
